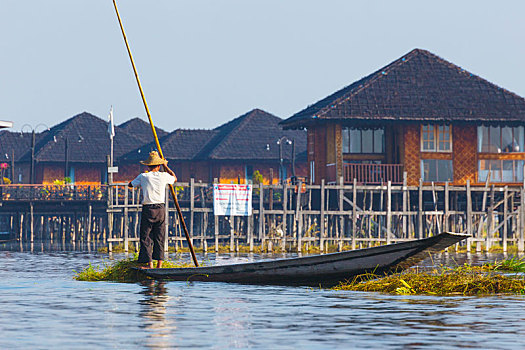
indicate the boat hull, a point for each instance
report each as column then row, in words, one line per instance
column 318, row 270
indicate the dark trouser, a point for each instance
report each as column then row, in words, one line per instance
column 152, row 233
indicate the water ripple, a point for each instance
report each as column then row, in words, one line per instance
column 43, row 307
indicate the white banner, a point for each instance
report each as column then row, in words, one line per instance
column 232, row 200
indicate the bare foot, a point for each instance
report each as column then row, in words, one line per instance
column 159, row 264
column 149, row 266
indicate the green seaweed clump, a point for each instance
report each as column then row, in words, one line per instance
column 120, row 271
column 461, row 280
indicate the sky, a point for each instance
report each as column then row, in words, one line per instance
column 205, row 62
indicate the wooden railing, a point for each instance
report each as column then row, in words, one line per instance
column 366, row 173
column 53, row 192
column 373, row 173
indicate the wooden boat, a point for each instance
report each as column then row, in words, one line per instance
column 318, row 270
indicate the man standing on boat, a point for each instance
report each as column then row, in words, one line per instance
column 152, row 229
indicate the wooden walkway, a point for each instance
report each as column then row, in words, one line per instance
column 295, row 217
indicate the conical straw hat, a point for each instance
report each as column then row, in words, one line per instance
column 153, row 159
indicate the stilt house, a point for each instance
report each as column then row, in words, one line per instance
column 421, row 115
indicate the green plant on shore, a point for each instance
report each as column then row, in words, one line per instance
column 460, row 280
column 119, row 271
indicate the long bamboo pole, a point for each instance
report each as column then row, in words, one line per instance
column 172, row 190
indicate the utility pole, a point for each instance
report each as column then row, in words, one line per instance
column 32, row 169
column 66, row 158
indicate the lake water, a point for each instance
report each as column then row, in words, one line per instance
column 42, row 307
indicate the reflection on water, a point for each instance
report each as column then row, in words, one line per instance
column 42, row 307
column 153, row 313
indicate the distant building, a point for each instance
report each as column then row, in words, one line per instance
column 231, row 152
column 421, row 115
column 77, row 148
column 13, row 146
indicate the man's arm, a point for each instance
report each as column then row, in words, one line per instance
column 135, row 182
column 169, row 171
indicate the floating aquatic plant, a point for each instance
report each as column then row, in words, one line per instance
column 514, row 264
column 120, row 271
column 460, row 280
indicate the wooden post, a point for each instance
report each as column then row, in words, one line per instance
column 490, row 221
column 420, row 210
column 299, row 217
column 505, row 218
column 250, row 232
column 90, row 219
column 434, row 200
column 232, row 232
column 341, row 232
column 21, row 227
column 126, row 219
column 469, row 216
column 167, row 220
column 483, row 208
column 204, row 218
column 216, row 232
column 389, row 213
column 31, row 222
column 405, row 204
column 354, row 213
column 216, row 224
column 522, row 220
column 261, row 215
column 445, row 215
column 321, row 219
column 192, row 206
column 370, row 220
column 285, row 209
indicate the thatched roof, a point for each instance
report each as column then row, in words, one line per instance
column 252, row 136
column 17, row 142
column 419, row 86
column 141, row 130
column 88, row 141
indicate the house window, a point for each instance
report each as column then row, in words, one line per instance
column 500, row 170
column 496, row 139
column 436, row 138
column 363, row 141
column 437, row 170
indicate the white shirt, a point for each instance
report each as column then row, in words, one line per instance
column 153, row 186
